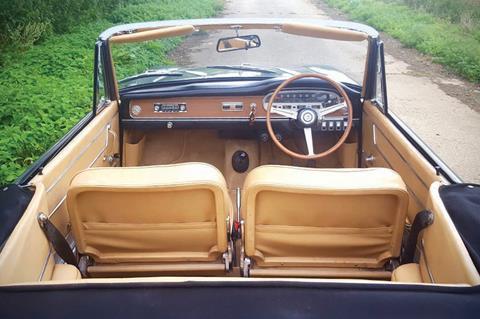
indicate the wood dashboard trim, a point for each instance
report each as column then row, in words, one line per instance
column 200, row 107
column 205, row 108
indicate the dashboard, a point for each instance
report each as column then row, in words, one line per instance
column 238, row 108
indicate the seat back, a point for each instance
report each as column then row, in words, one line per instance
column 171, row 213
column 307, row 217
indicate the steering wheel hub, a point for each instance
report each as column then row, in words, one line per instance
column 307, row 117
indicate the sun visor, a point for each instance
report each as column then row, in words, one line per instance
column 153, row 34
column 323, row 32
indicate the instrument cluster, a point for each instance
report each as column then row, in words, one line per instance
column 298, row 99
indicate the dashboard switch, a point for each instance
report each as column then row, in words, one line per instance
column 232, row 106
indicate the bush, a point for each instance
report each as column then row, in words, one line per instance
column 463, row 12
column 47, row 89
column 24, row 22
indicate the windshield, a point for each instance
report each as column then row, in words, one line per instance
column 197, row 56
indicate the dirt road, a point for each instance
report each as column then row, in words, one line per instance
column 442, row 110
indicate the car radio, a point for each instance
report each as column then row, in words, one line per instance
column 169, row 108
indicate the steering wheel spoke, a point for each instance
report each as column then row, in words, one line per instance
column 292, row 114
column 309, row 140
column 330, row 109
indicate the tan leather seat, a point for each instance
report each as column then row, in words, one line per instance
column 410, row 273
column 144, row 220
column 323, row 222
column 65, row 272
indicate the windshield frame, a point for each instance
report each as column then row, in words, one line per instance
column 245, row 24
column 371, row 36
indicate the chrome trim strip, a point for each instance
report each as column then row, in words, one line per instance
column 403, row 159
column 424, row 150
column 99, row 153
column 44, row 268
column 64, row 172
column 43, row 161
column 422, row 248
column 419, row 202
column 90, row 165
column 57, row 206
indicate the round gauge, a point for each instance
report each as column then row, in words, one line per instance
column 136, row 109
column 321, row 97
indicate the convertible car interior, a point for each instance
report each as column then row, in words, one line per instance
column 236, row 172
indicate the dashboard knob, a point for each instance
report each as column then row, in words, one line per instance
column 240, row 161
column 264, row 137
column 136, row 109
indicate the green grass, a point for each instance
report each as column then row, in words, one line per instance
column 448, row 43
column 47, row 89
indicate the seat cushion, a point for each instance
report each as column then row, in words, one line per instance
column 407, row 273
column 150, row 214
column 323, row 217
column 65, row 272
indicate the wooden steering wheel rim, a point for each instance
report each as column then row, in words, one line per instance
column 340, row 141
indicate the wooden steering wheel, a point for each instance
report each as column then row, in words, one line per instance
column 309, row 118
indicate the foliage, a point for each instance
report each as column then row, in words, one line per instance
column 131, row 59
column 47, row 89
column 448, row 43
column 45, row 17
column 463, row 12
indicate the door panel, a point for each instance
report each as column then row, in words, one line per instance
column 27, row 256
column 444, row 257
column 389, row 148
column 89, row 148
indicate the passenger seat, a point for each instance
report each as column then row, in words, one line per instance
column 170, row 219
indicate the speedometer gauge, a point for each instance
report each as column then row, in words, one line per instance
column 296, row 99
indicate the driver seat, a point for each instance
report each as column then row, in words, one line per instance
column 330, row 223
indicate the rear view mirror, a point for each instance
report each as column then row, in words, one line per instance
column 243, row 42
